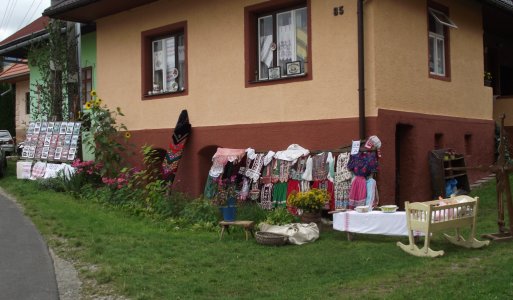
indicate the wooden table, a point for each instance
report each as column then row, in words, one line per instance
column 247, row 225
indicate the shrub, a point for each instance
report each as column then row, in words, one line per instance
column 200, row 211
column 280, row 216
column 106, row 145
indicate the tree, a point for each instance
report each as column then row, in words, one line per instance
column 55, row 59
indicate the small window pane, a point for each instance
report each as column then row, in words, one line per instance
column 440, row 63
column 431, row 54
column 170, row 63
column 158, row 64
column 27, row 103
column 181, row 62
column 265, row 52
column 301, row 36
column 442, row 18
column 286, row 39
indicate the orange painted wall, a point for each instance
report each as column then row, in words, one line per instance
column 399, row 56
column 217, row 93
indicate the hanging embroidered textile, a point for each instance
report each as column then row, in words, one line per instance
column 256, row 167
column 358, row 193
column 342, row 181
column 320, row 166
column 280, row 194
column 266, row 196
column 363, row 163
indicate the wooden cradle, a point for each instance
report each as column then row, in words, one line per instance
column 433, row 216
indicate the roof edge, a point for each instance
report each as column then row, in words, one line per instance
column 52, row 11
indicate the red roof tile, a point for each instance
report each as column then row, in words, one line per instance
column 36, row 26
column 14, row 71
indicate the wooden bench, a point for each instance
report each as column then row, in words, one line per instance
column 247, row 225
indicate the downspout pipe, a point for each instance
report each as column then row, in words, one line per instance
column 8, row 91
column 361, row 72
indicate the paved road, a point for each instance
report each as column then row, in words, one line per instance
column 26, row 268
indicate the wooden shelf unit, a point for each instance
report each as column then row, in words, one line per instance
column 444, row 166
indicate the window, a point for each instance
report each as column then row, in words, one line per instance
column 87, row 83
column 438, row 41
column 164, row 61
column 27, row 103
column 277, row 41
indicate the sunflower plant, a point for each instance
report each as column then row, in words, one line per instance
column 108, row 142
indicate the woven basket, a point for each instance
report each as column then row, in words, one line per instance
column 269, row 238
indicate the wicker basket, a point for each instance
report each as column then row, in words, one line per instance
column 269, row 238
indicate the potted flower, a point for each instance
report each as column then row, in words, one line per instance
column 309, row 204
column 226, row 197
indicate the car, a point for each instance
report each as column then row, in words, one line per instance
column 6, row 142
column 3, row 163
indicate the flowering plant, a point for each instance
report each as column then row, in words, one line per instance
column 312, row 200
column 487, row 76
column 226, row 190
column 88, row 170
column 101, row 122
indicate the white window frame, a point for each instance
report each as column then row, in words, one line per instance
column 441, row 20
column 166, row 87
column 275, row 16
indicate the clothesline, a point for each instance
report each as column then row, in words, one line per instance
column 342, row 149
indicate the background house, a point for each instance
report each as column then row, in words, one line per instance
column 15, row 48
column 16, row 76
column 26, row 77
column 417, row 83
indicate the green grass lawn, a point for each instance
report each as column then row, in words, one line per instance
column 144, row 259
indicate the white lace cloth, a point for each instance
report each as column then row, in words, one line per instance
column 292, row 153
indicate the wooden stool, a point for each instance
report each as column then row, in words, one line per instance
column 247, row 225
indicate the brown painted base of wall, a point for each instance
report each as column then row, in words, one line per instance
column 407, row 139
column 414, row 134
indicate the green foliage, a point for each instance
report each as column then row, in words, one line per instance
column 54, row 58
column 200, row 211
column 251, row 211
column 53, row 184
column 280, row 216
column 148, row 259
column 108, row 143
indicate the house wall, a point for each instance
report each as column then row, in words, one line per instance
column 88, row 53
column 401, row 60
column 318, row 114
column 22, row 118
column 215, row 39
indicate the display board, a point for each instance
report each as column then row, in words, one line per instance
column 52, row 141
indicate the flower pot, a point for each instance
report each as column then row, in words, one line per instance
column 229, row 212
column 310, row 217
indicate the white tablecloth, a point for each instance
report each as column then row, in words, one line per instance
column 374, row 222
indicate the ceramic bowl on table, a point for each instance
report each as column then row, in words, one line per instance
column 389, row 208
column 362, row 209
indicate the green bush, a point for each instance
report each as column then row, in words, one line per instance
column 53, row 184
column 251, row 211
column 280, row 216
column 200, row 211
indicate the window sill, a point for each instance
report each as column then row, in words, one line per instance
column 164, row 95
column 440, row 77
column 293, row 78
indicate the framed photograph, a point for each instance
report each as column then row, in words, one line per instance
column 294, row 68
column 274, row 73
